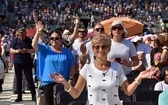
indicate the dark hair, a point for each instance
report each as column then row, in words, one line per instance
column 98, row 24
column 56, row 31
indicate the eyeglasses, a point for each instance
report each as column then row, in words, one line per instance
column 117, row 27
column 54, row 38
column 103, row 47
column 99, row 29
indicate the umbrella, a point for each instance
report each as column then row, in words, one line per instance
column 31, row 32
column 133, row 27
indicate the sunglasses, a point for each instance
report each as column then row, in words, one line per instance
column 21, row 35
column 103, row 47
column 54, row 38
column 99, row 29
column 117, row 27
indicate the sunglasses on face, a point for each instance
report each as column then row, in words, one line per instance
column 117, row 27
column 99, row 29
column 20, row 34
column 103, row 47
column 54, row 38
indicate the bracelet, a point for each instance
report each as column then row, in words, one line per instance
column 132, row 63
column 70, row 87
column 70, row 78
column 16, row 51
column 83, row 55
column 138, row 82
column 165, row 49
column 39, row 32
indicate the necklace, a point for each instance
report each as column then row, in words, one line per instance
column 102, row 66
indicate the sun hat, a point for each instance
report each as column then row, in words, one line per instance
column 116, row 22
column 66, row 31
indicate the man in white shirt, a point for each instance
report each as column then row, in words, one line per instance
column 76, row 45
column 87, row 52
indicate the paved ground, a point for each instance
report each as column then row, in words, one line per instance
column 7, row 97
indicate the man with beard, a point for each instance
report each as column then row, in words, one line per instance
column 162, row 85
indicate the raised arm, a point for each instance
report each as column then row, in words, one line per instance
column 130, row 88
column 75, row 32
column 35, row 16
column 39, row 28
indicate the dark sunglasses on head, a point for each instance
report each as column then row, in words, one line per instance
column 54, row 38
column 99, row 29
column 103, row 47
column 117, row 27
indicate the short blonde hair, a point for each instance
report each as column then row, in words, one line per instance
column 100, row 38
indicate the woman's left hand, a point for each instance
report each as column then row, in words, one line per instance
column 146, row 74
column 57, row 77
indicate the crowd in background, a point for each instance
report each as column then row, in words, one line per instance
column 62, row 12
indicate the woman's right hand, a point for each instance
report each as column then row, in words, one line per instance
column 39, row 26
column 83, row 48
column 58, row 78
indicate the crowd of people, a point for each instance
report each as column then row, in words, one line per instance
column 61, row 48
column 63, row 12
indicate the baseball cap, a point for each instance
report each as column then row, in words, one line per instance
column 21, row 30
column 66, row 31
column 56, row 27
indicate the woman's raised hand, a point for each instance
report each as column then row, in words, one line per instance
column 77, row 20
column 57, row 77
column 39, row 26
column 35, row 16
column 146, row 73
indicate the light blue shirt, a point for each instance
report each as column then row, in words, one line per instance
column 163, row 98
column 48, row 62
